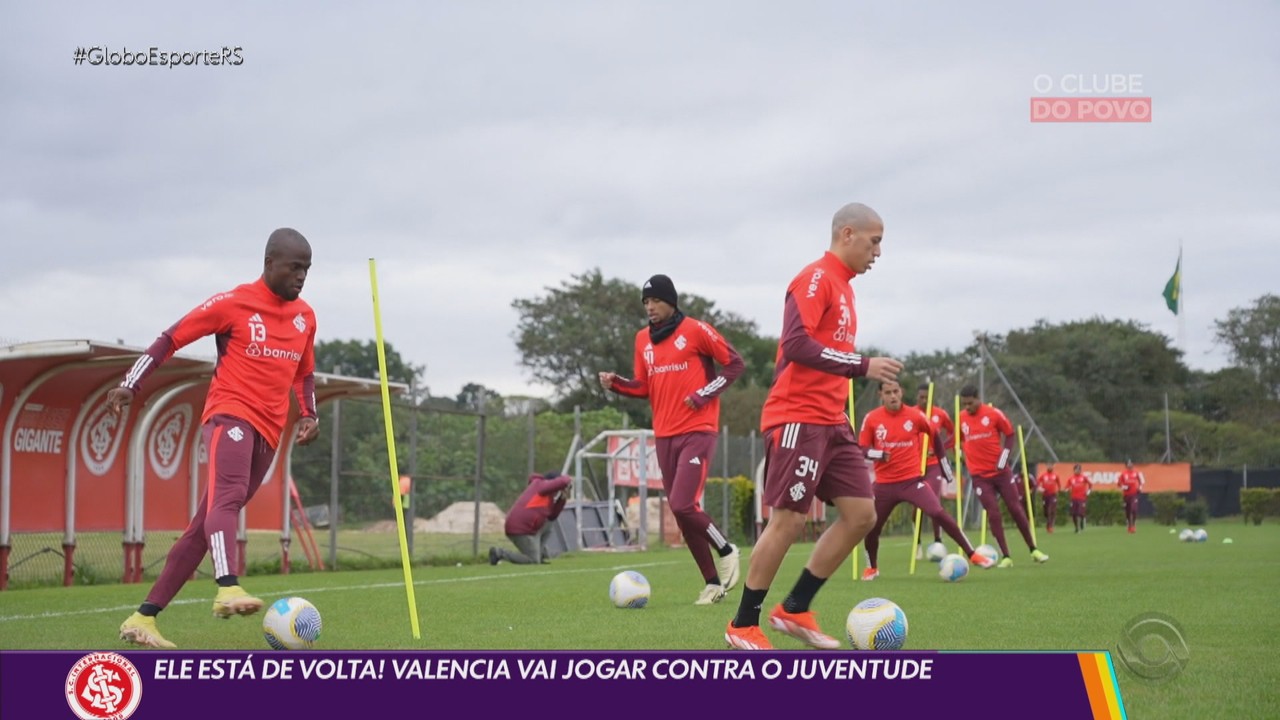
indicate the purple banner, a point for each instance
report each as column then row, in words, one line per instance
column 218, row 685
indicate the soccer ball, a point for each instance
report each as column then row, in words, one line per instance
column 935, row 552
column 1200, row 535
column 876, row 624
column 988, row 551
column 629, row 589
column 291, row 623
column 953, row 568
column 1186, row 535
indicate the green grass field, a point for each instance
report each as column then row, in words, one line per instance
column 1223, row 595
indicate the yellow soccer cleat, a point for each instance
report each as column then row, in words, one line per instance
column 234, row 600
column 141, row 630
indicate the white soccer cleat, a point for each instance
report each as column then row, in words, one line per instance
column 710, row 595
column 730, row 568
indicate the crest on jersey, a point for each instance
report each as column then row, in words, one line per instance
column 300, row 322
column 985, row 421
column 908, row 425
column 681, row 343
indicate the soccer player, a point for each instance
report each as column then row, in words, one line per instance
column 675, row 359
column 1080, row 486
column 1048, row 485
column 1130, row 483
column 810, row 450
column 265, row 338
column 987, row 443
column 933, row 477
column 531, row 519
column 892, row 434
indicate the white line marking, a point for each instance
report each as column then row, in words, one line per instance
column 342, row 588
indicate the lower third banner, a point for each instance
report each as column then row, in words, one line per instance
column 217, row 685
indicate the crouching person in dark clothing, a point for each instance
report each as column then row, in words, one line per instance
column 531, row 519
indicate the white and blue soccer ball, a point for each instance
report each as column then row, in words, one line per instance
column 1200, row 535
column 629, row 589
column 935, row 552
column 953, row 568
column 988, row 551
column 876, row 624
column 1187, row 535
column 291, row 623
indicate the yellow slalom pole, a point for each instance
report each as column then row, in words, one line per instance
column 391, row 453
column 853, row 555
column 955, row 422
column 924, row 464
column 1026, row 488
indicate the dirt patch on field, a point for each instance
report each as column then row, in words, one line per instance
column 459, row 518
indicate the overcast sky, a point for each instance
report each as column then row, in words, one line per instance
column 483, row 151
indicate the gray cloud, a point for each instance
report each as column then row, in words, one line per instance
column 484, row 152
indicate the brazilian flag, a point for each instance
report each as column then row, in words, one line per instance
column 1173, row 288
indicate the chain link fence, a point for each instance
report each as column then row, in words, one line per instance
column 464, row 470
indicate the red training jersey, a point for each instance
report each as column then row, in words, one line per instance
column 266, row 345
column 1130, row 482
column 1080, row 486
column 816, row 354
column 900, row 435
column 1048, row 483
column 682, row 367
column 981, row 434
column 943, row 428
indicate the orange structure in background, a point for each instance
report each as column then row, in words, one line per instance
column 68, row 465
column 1160, row 477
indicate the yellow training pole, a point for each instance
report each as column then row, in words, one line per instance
column 1026, row 488
column 391, row 452
column 924, row 464
column 853, row 423
column 955, row 422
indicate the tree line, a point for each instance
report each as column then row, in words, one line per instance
column 1095, row 388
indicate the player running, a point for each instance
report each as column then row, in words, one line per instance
column 675, row 358
column 988, row 445
column 893, row 434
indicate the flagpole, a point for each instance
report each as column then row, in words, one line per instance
column 1182, row 316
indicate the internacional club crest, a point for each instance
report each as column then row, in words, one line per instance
column 103, row 686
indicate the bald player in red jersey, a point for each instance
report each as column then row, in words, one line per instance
column 675, row 359
column 1080, row 486
column 892, row 434
column 933, row 476
column 811, row 453
column 987, row 437
column 265, row 338
column 1049, row 485
column 1130, row 483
